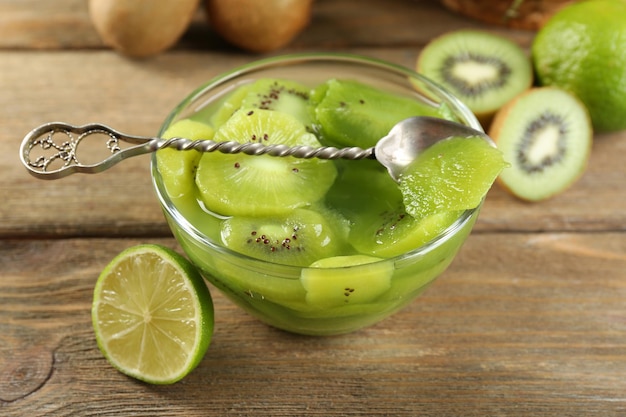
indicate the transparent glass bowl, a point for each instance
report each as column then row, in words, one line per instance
column 274, row 293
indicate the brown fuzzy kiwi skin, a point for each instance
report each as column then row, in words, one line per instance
column 494, row 132
column 141, row 28
column 258, row 25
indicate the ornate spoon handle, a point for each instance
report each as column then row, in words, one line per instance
column 58, row 146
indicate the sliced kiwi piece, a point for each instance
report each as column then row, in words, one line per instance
column 281, row 95
column 546, row 135
column 342, row 280
column 362, row 185
column 226, row 107
column 239, row 184
column 298, row 238
column 178, row 168
column 453, row 174
column 483, row 70
column 393, row 232
column 350, row 113
column 365, row 194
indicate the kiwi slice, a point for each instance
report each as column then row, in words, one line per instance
column 453, row 174
column 239, row 184
column 483, row 70
column 365, row 194
column 394, row 232
column 299, row 238
column 350, row 113
column 225, row 108
column 342, row 280
column 546, row 135
column 362, row 185
column 178, row 168
column 281, row 95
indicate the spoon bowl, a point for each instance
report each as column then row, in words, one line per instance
column 409, row 137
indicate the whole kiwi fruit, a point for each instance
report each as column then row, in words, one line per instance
column 258, row 26
column 141, row 28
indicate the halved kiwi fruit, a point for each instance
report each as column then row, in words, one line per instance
column 546, row 135
column 239, row 184
column 483, row 70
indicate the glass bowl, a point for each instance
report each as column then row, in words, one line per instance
column 275, row 293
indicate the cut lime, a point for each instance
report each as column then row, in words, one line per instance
column 152, row 314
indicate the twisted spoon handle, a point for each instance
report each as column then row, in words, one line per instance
column 58, row 146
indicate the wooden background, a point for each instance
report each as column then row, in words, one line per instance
column 530, row 320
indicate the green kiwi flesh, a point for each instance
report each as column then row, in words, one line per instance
column 366, row 195
column 349, row 113
column 280, row 95
column 178, row 168
column 546, row 135
column 239, row 184
column 483, row 70
column 298, row 238
column 451, row 175
column 342, row 280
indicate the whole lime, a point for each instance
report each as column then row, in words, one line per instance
column 582, row 49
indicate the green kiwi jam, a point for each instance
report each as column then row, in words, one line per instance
column 314, row 246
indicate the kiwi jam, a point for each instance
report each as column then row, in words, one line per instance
column 308, row 245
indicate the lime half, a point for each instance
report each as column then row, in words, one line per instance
column 152, row 314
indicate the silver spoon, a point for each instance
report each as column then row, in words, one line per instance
column 59, row 142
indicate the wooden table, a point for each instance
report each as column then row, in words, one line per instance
column 530, row 319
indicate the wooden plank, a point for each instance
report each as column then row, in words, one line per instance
column 521, row 324
column 42, row 24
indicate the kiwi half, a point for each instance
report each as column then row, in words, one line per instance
column 546, row 136
column 483, row 70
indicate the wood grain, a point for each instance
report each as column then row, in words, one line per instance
column 534, row 329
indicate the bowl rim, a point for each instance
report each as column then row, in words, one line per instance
column 290, row 59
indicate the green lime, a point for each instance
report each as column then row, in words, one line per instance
column 582, row 49
column 152, row 314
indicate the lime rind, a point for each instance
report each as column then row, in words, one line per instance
column 152, row 314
